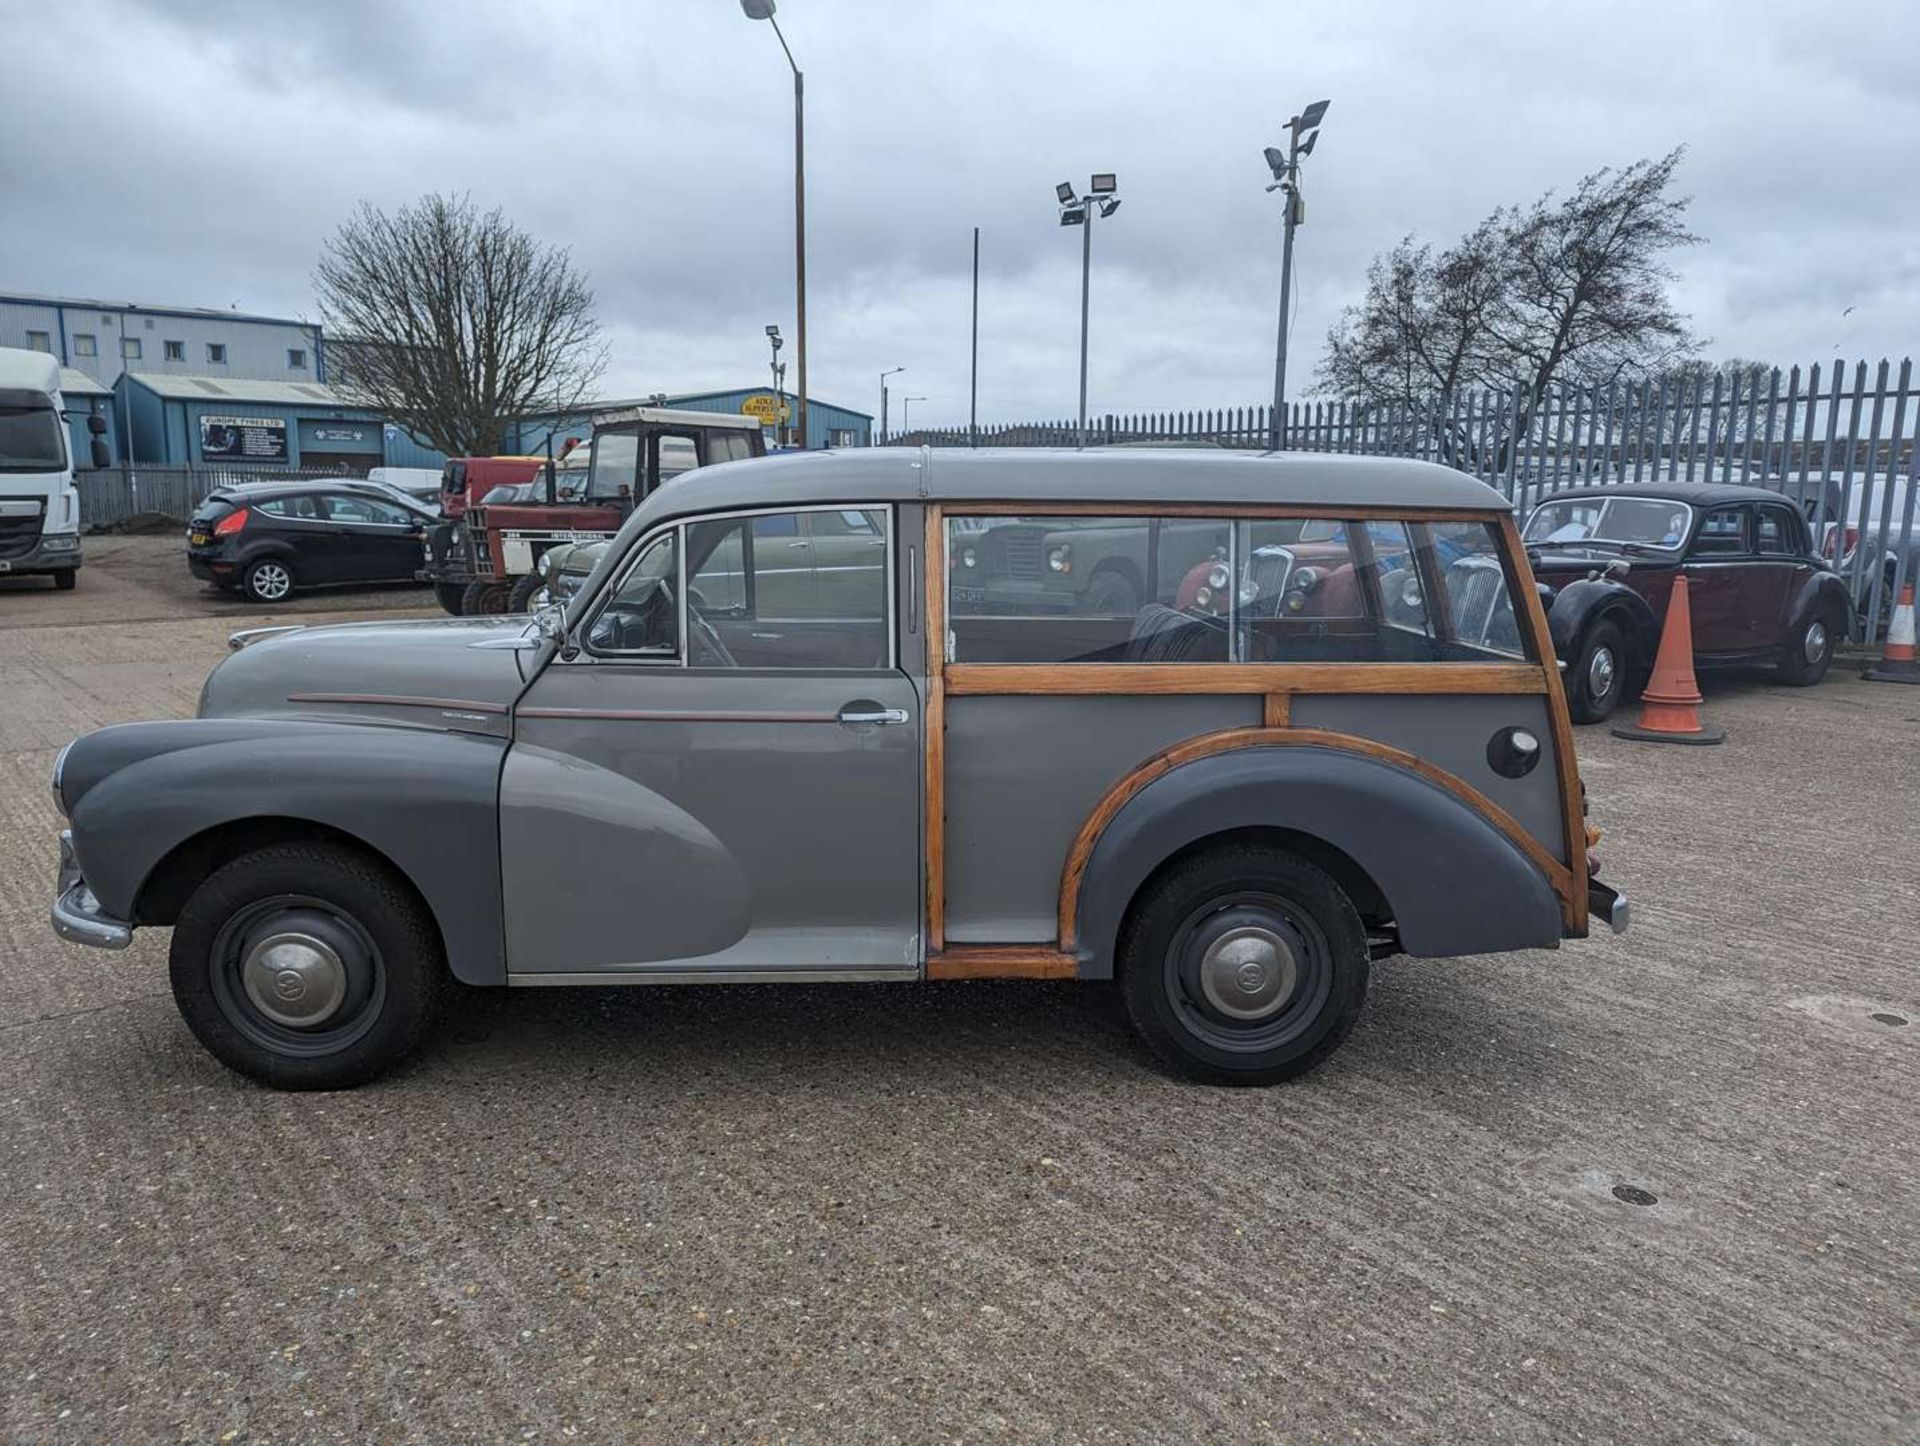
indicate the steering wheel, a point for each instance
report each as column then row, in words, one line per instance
column 705, row 636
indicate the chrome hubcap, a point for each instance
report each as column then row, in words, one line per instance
column 271, row 580
column 294, row 979
column 1600, row 673
column 1816, row 644
column 1247, row 973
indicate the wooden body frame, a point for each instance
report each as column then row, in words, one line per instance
column 1274, row 683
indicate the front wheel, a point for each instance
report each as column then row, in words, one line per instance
column 1598, row 678
column 450, row 595
column 66, row 579
column 306, row 966
column 482, row 596
column 1808, row 652
column 525, row 590
column 1244, row 965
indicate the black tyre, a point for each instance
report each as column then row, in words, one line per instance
column 450, row 595
column 268, row 580
column 1808, row 652
column 483, row 595
column 1243, row 965
column 1597, row 681
column 66, row 579
column 307, row 966
column 1111, row 594
column 520, row 596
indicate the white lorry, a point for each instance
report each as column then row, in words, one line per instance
column 39, row 505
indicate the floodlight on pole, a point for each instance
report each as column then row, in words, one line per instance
column 1078, row 211
column 763, row 10
column 890, row 371
column 1285, row 166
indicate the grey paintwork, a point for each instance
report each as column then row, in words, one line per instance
column 1453, row 883
column 1024, row 773
column 423, row 799
column 1452, row 732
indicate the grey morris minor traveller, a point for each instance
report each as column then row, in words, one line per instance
column 776, row 736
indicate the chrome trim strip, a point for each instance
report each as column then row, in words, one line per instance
column 395, row 700
column 890, row 974
column 239, row 640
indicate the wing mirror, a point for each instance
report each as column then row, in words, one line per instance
column 101, row 457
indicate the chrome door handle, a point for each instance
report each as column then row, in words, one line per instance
column 853, row 714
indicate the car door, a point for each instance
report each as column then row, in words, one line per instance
column 1719, row 572
column 668, row 809
column 1780, row 567
column 299, row 525
column 375, row 540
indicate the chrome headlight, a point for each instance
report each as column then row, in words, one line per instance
column 969, row 557
column 1305, row 579
column 1217, row 576
column 59, row 771
column 1060, row 558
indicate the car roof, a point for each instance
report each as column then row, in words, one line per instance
column 1697, row 494
column 1128, row 476
column 250, row 491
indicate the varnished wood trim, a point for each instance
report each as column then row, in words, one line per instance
column 1001, row 961
column 1276, row 711
column 1123, row 678
column 675, row 715
column 1226, row 511
column 1574, row 900
column 397, row 700
column 936, row 724
column 1208, row 744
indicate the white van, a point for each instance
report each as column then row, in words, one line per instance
column 39, row 505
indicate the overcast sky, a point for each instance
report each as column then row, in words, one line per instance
column 197, row 151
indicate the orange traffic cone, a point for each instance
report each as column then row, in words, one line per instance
column 1672, row 697
column 1896, row 663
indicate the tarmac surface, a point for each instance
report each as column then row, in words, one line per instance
column 973, row 1211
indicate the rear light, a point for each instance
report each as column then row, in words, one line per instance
column 1847, row 543
column 231, row 523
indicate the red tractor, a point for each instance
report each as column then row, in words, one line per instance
column 484, row 556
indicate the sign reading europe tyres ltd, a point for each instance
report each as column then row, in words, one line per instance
column 243, row 439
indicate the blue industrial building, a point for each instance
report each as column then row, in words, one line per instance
column 85, row 397
column 180, row 421
column 106, row 339
column 828, row 425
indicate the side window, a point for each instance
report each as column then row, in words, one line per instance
column 642, row 617
column 1331, row 591
column 1478, row 618
column 301, row 508
column 1774, row 531
column 615, row 466
column 758, row 595
column 677, row 454
column 343, row 507
column 1723, row 531
column 726, row 447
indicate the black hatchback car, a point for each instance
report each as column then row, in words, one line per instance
column 269, row 538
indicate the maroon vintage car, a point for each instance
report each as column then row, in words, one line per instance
column 1758, row 591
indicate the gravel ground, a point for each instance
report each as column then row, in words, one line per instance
column 975, row 1210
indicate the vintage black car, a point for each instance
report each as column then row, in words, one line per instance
column 270, row 538
column 1758, row 592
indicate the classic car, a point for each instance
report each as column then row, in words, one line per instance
column 1756, row 588
column 726, row 758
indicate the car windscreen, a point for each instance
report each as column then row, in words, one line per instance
column 31, row 439
column 1630, row 521
column 616, row 465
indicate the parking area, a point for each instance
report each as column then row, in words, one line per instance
column 977, row 1210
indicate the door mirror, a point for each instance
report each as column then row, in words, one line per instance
column 101, row 457
column 97, row 425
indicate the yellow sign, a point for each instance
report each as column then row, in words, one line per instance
column 769, row 409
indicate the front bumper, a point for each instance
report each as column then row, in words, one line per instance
column 76, row 915
column 1609, row 905
column 57, row 552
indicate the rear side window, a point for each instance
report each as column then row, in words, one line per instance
column 1774, row 531
column 1213, row 590
column 349, row 507
column 1724, row 530
column 302, row 508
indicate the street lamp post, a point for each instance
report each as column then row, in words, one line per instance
column 906, row 414
column 763, row 10
column 890, row 371
column 1302, row 131
column 1079, row 211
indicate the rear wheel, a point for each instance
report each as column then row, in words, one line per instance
column 520, row 599
column 1809, row 651
column 306, row 966
column 1244, row 965
column 483, row 595
column 268, row 580
column 1597, row 681
column 450, row 595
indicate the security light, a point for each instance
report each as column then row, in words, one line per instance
column 757, row 9
column 1104, row 183
column 1065, row 192
column 1276, row 162
column 1074, row 216
column 1309, row 118
column 1108, row 207
column 1307, row 149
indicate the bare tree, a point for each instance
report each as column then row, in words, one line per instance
column 1566, row 289
column 454, row 324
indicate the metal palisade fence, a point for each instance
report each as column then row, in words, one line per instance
column 1839, row 440
column 113, row 496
